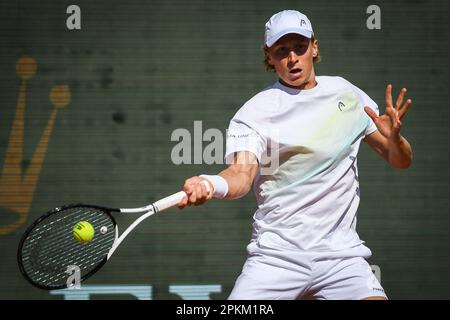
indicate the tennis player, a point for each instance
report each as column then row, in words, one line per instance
column 304, row 242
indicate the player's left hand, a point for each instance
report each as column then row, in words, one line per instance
column 389, row 124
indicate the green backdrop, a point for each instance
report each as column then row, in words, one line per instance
column 138, row 70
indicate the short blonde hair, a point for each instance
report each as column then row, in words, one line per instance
column 270, row 67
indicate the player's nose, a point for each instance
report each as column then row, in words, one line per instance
column 292, row 56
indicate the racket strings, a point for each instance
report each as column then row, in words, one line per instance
column 52, row 253
column 59, row 233
column 50, row 248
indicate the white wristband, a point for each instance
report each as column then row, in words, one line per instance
column 220, row 185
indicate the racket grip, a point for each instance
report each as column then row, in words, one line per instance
column 169, row 201
column 174, row 199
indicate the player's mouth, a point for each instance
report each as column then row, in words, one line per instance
column 295, row 73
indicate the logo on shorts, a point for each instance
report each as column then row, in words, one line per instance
column 374, row 279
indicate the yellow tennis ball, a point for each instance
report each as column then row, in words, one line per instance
column 83, row 232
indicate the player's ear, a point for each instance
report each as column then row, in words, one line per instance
column 268, row 56
column 315, row 47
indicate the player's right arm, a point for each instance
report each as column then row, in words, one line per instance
column 239, row 177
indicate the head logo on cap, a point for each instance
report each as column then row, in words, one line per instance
column 284, row 22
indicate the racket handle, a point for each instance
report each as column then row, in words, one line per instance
column 174, row 199
column 169, row 201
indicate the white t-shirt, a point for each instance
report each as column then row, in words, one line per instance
column 306, row 142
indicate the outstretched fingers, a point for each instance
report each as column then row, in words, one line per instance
column 400, row 97
column 404, row 109
column 371, row 113
column 389, row 96
column 393, row 114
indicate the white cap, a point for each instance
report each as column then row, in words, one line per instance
column 284, row 22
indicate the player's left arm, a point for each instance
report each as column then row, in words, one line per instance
column 387, row 140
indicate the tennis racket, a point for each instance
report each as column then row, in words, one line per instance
column 48, row 247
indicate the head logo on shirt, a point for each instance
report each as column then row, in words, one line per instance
column 341, row 105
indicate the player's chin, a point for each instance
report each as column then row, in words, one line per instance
column 296, row 83
column 294, row 80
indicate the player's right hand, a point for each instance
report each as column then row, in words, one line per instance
column 196, row 191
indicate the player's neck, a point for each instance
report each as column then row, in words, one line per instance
column 310, row 84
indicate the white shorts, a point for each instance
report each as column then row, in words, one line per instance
column 271, row 274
